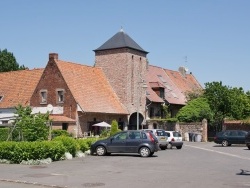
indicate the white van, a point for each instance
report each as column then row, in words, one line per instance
column 161, row 136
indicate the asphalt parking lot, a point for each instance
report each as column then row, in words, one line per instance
column 197, row 164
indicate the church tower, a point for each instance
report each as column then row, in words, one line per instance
column 125, row 64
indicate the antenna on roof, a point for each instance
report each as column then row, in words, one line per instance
column 186, row 57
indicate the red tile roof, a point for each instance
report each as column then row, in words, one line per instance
column 59, row 119
column 90, row 88
column 17, row 87
column 184, row 83
column 172, row 93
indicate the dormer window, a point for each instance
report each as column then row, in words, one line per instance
column 43, row 94
column 60, row 95
column 162, row 93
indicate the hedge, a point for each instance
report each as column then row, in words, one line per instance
column 4, row 133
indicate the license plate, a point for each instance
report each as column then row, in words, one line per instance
column 163, row 138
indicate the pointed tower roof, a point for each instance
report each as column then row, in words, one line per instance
column 120, row 40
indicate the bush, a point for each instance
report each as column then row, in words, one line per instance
column 19, row 151
column 4, row 133
column 56, row 133
column 114, row 127
column 69, row 143
column 105, row 133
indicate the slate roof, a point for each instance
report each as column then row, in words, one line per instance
column 120, row 40
column 17, row 87
column 90, row 88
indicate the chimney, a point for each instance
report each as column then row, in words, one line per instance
column 53, row 56
column 183, row 71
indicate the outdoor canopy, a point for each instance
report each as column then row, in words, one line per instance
column 102, row 124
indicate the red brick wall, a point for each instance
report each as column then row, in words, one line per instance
column 236, row 126
column 50, row 81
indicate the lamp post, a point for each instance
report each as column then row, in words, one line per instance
column 144, row 86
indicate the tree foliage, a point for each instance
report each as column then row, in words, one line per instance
column 32, row 127
column 216, row 103
column 114, row 127
column 195, row 111
column 227, row 102
column 8, row 62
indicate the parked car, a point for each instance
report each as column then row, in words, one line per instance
column 161, row 136
column 131, row 141
column 247, row 140
column 174, row 139
column 229, row 137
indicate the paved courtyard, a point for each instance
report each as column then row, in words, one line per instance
column 197, row 164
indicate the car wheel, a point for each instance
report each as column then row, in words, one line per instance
column 144, row 152
column 151, row 154
column 178, row 147
column 100, row 150
column 169, row 146
column 163, row 147
column 224, row 143
column 248, row 146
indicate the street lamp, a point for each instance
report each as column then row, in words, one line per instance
column 144, row 86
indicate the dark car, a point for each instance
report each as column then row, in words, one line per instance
column 131, row 141
column 229, row 137
column 247, row 140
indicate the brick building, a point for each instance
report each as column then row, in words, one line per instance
column 120, row 86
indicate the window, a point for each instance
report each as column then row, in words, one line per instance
column 162, row 93
column 161, row 78
column 151, row 114
column 43, row 96
column 121, row 136
column 4, row 122
column 1, row 97
column 65, row 126
column 60, row 96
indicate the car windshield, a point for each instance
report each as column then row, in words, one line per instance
column 161, row 133
column 176, row 134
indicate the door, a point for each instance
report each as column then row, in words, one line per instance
column 233, row 137
column 133, row 142
column 241, row 137
column 117, row 143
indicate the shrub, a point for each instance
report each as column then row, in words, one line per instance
column 69, row 143
column 56, row 133
column 114, row 127
column 19, row 151
column 4, row 133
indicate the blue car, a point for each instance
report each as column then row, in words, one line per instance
column 131, row 141
column 229, row 137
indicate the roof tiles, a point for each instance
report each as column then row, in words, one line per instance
column 90, row 88
column 17, row 87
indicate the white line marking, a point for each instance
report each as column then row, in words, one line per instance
column 223, row 153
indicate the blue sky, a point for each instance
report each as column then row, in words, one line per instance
column 214, row 35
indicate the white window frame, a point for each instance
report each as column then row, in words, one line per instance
column 60, row 95
column 44, row 96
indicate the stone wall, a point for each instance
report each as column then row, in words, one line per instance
column 188, row 130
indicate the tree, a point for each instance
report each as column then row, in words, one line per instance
column 32, row 127
column 195, row 111
column 114, row 128
column 8, row 62
column 227, row 102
